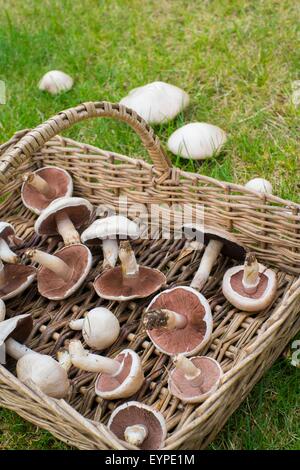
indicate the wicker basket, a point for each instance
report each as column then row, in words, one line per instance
column 246, row 346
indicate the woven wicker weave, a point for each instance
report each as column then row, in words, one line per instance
column 246, row 346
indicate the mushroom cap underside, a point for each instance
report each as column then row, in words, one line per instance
column 19, row 277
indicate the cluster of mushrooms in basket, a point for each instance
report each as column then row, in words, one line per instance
column 178, row 321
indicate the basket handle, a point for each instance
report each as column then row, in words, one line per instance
column 36, row 138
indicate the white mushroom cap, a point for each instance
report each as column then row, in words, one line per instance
column 8, row 238
column 156, row 102
column 197, row 140
column 78, row 209
column 55, row 82
column 260, row 185
column 245, row 302
column 100, row 328
column 2, row 310
column 127, row 418
column 110, row 227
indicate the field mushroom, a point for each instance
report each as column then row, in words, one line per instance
column 43, row 186
column 216, row 241
column 55, row 82
column 179, row 321
column 100, row 328
column 14, row 279
column 63, row 216
column 120, row 377
column 197, row 140
column 109, row 230
column 129, row 281
column 2, row 310
column 138, row 424
column 49, row 375
column 250, row 287
column 260, row 185
column 194, row 380
column 61, row 274
column 156, row 102
column 8, row 238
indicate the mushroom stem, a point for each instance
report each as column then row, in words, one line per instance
column 136, row 434
column 92, row 362
column 16, row 350
column 209, row 258
column 2, row 310
column 251, row 274
column 64, row 359
column 66, row 229
column 110, row 253
column 6, row 254
column 164, row 318
column 2, row 275
column 190, row 371
column 130, row 267
column 38, row 183
column 52, row 262
column 76, row 325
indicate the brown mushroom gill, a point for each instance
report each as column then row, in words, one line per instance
column 13, row 276
column 75, row 213
column 236, row 282
column 107, row 383
column 187, row 338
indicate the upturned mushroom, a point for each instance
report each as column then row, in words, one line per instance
column 2, row 310
column 8, row 238
column 194, row 380
column 217, row 241
column 14, row 279
column 250, row 287
column 43, row 186
column 129, row 281
column 138, row 424
column 64, row 216
column 108, row 230
column 179, row 321
column 61, row 274
column 120, row 377
column 49, row 375
column 100, row 328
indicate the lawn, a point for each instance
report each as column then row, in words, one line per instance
column 236, row 58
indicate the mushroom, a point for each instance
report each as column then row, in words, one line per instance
column 138, row 424
column 156, row 102
column 2, row 310
column 197, row 140
column 14, row 279
column 8, row 238
column 55, row 82
column 129, row 281
column 120, row 377
column 43, row 186
column 63, row 273
column 250, row 287
column 179, row 320
column 100, row 328
column 216, row 241
column 194, row 380
column 63, row 216
column 108, row 230
column 260, row 185
column 49, row 375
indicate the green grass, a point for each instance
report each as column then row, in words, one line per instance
column 237, row 59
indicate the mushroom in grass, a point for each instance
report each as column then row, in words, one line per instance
column 217, row 241
column 138, row 424
column 250, row 287
column 43, row 186
column 100, row 328
column 7, row 239
column 120, row 377
column 179, row 321
column 14, row 279
column 193, row 380
column 49, row 375
column 2, row 310
column 108, row 230
column 61, row 274
column 260, row 185
column 63, row 216
column 130, row 281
